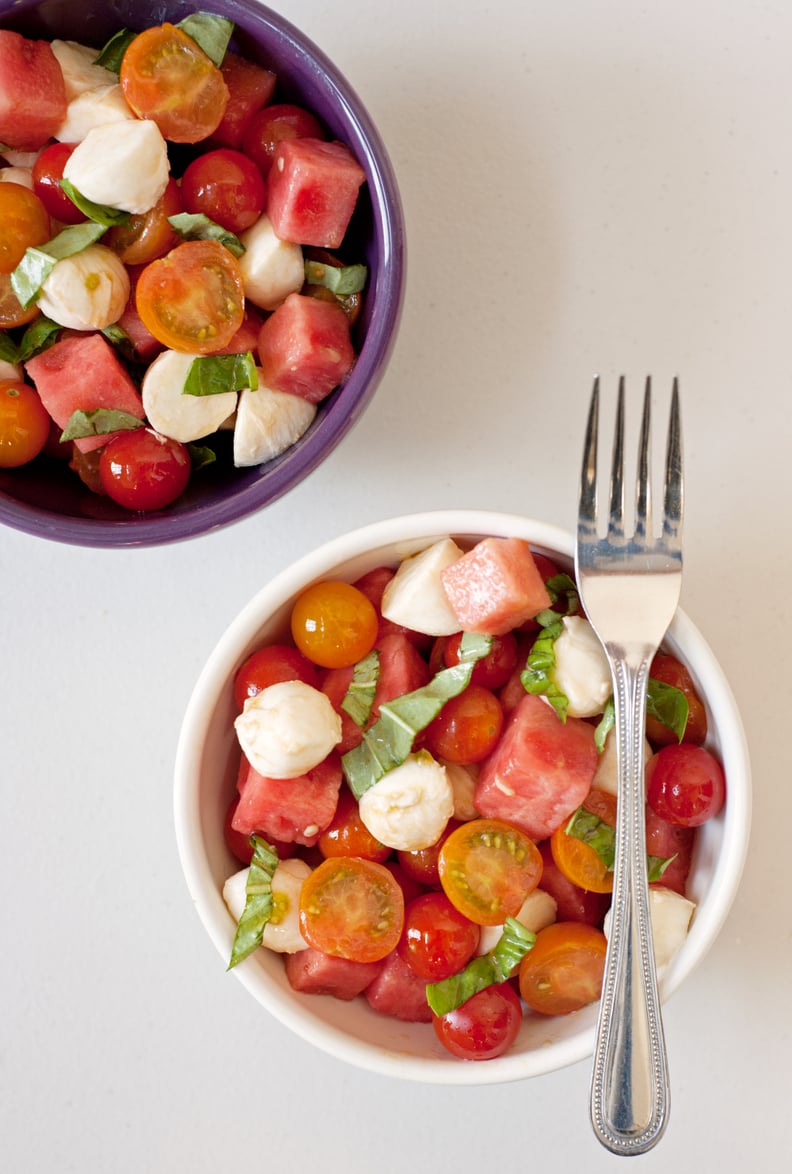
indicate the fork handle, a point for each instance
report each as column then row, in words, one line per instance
column 629, row 1089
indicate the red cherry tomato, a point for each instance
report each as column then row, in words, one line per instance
column 334, row 624
column 347, row 835
column 488, row 868
column 268, row 666
column 226, row 186
column 142, row 470
column 269, row 126
column 423, row 865
column 24, row 223
column 670, row 671
column 352, row 908
column 437, row 940
column 467, row 727
column 47, row 174
column 563, row 971
column 24, row 423
column 192, row 299
column 493, row 670
column 148, row 236
column 484, row 1027
column 685, row 784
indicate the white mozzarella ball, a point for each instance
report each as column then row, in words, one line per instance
column 181, row 417
column 538, row 910
column 21, row 175
column 87, row 291
column 79, row 68
column 462, row 777
column 287, row 729
column 581, row 669
column 10, row 370
column 267, row 423
column 606, row 777
column 91, row 109
column 121, row 165
column 410, row 806
column 671, row 915
column 282, row 931
column 271, row 268
column 415, row 597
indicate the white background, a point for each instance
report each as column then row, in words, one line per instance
column 591, row 186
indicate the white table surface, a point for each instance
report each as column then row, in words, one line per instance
column 591, row 186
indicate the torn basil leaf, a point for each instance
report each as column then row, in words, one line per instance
column 9, row 352
column 99, row 213
column 112, row 54
column 486, row 970
column 342, row 280
column 537, row 676
column 359, row 697
column 194, row 226
column 605, row 724
column 210, row 33
column 216, row 374
column 201, row 455
column 258, row 901
column 37, row 263
column 564, row 597
column 119, row 339
column 39, row 336
column 668, row 705
column 600, row 836
column 99, row 422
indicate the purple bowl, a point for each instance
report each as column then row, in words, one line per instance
column 46, row 499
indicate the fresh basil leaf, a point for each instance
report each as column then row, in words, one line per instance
column 389, row 741
column 359, row 697
column 37, row 263
column 258, row 901
column 486, row 970
column 537, row 676
column 201, row 455
column 194, row 226
column 112, row 54
column 99, row 213
column 217, row 374
column 9, row 351
column 39, row 336
column 120, row 340
column 657, row 865
column 342, row 280
column 668, row 705
column 210, row 33
column 605, row 724
column 99, row 422
column 592, row 830
column 564, row 597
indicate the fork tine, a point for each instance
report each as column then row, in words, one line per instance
column 673, row 496
column 643, row 490
column 616, row 522
column 587, row 514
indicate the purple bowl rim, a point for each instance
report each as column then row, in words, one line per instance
column 164, row 528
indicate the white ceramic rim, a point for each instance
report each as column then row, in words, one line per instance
column 412, row 531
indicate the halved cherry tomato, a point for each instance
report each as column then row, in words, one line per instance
column 267, row 127
column 485, row 1026
column 268, row 666
column 167, row 78
column 488, row 868
column 24, row 423
column 578, row 861
column 437, row 940
column 142, row 470
column 347, row 835
column 226, row 186
column 467, row 727
column 148, row 236
column 47, row 174
column 563, row 971
column 192, row 299
column 352, row 908
column 671, row 671
column 685, row 784
column 493, row 670
column 24, row 223
column 334, row 624
column 11, row 312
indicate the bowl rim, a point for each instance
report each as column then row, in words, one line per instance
column 412, row 530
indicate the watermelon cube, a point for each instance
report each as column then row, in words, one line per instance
column 314, row 973
column 495, row 587
column 305, row 347
column 313, row 189
column 82, row 373
column 32, row 92
column 296, row 811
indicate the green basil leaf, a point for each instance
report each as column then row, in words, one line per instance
column 99, row 213
column 390, row 740
column 592, row 830
column 342, row 280
column 605, row 724
column 9, row 351
column 39, row 336
column 120, row 340
column 99, row 422
column 210, row 33
column 258, row 901
column 359, row 697
column 657, row 866
column 217, row 374
column 112, row 54
column 563, row 591
column 194, row 226
column 486, row 970
column 668, row 705
column 201, row 455
column 37, row 263
column 537, row 676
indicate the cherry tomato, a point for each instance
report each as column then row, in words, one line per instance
column 24, row 423
column 167, row 78
column 493, row 670
column 347, row 835
column 423, row 865
column 572, row 902
column 467, row 727
column 47, row 174
column 352, row 908
column 268, row 666
column 334, row 624
column 192, row 299
column 226, row 186
column 484, row 1027
column 269, row 126
column 563, row 971
column 148, row 236
column 142, row 470
column 24, row 223
column 488, row 868
column 577, row 860
column 671, row 671
column 685, row 784
column 11, row 312
column 437, row 940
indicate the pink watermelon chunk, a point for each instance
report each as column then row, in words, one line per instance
column 32, row 92
column 296, row 811
column 398, row 991
column 314, row 973
column 82, row 373
column 304, row 347
column 495, row 587
column 313, row 189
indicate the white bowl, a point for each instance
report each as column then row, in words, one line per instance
column 205, row 775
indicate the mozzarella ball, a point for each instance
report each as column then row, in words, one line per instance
column 282, row 931
column 267, row 423
column 671, row 915
column 538, row 910
column 581, row 669
column 287, row 729
column 462, row 777
column 410, row 806
column 415, row 597
column 79, row 68
column 169, row 411
column 606, row 777
column 87, row 291
column 11, row 370
column 271, row 268
column 121, row 165
column 21, row 175
column 91, row 109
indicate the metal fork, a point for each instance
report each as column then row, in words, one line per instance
column 629, row 587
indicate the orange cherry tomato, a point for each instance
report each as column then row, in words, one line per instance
column 148, row 236
column 352, row 908
column 167, row 78
column 487, row 868
column 670, row 671
column 24, row 223
column 563, row 972
column 192, row 299
column 467, row 727
column 347, row 835
column 577, row 860
column 11, row 312
column 334, row 624
column 24, row 424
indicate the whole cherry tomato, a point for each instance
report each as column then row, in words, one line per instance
column 491, row 671
column 142, row 470
column 268, row 666
column 268, row 126
column 671, row 671
column 347, row 835
column 24, row 223
column 485, row 1026
column 47, row 174
column 467, row 727
column 148, row 236
column 437, row 940
column 685, row 784
column 334, row 624
column 226, row 186
column 24, row 423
